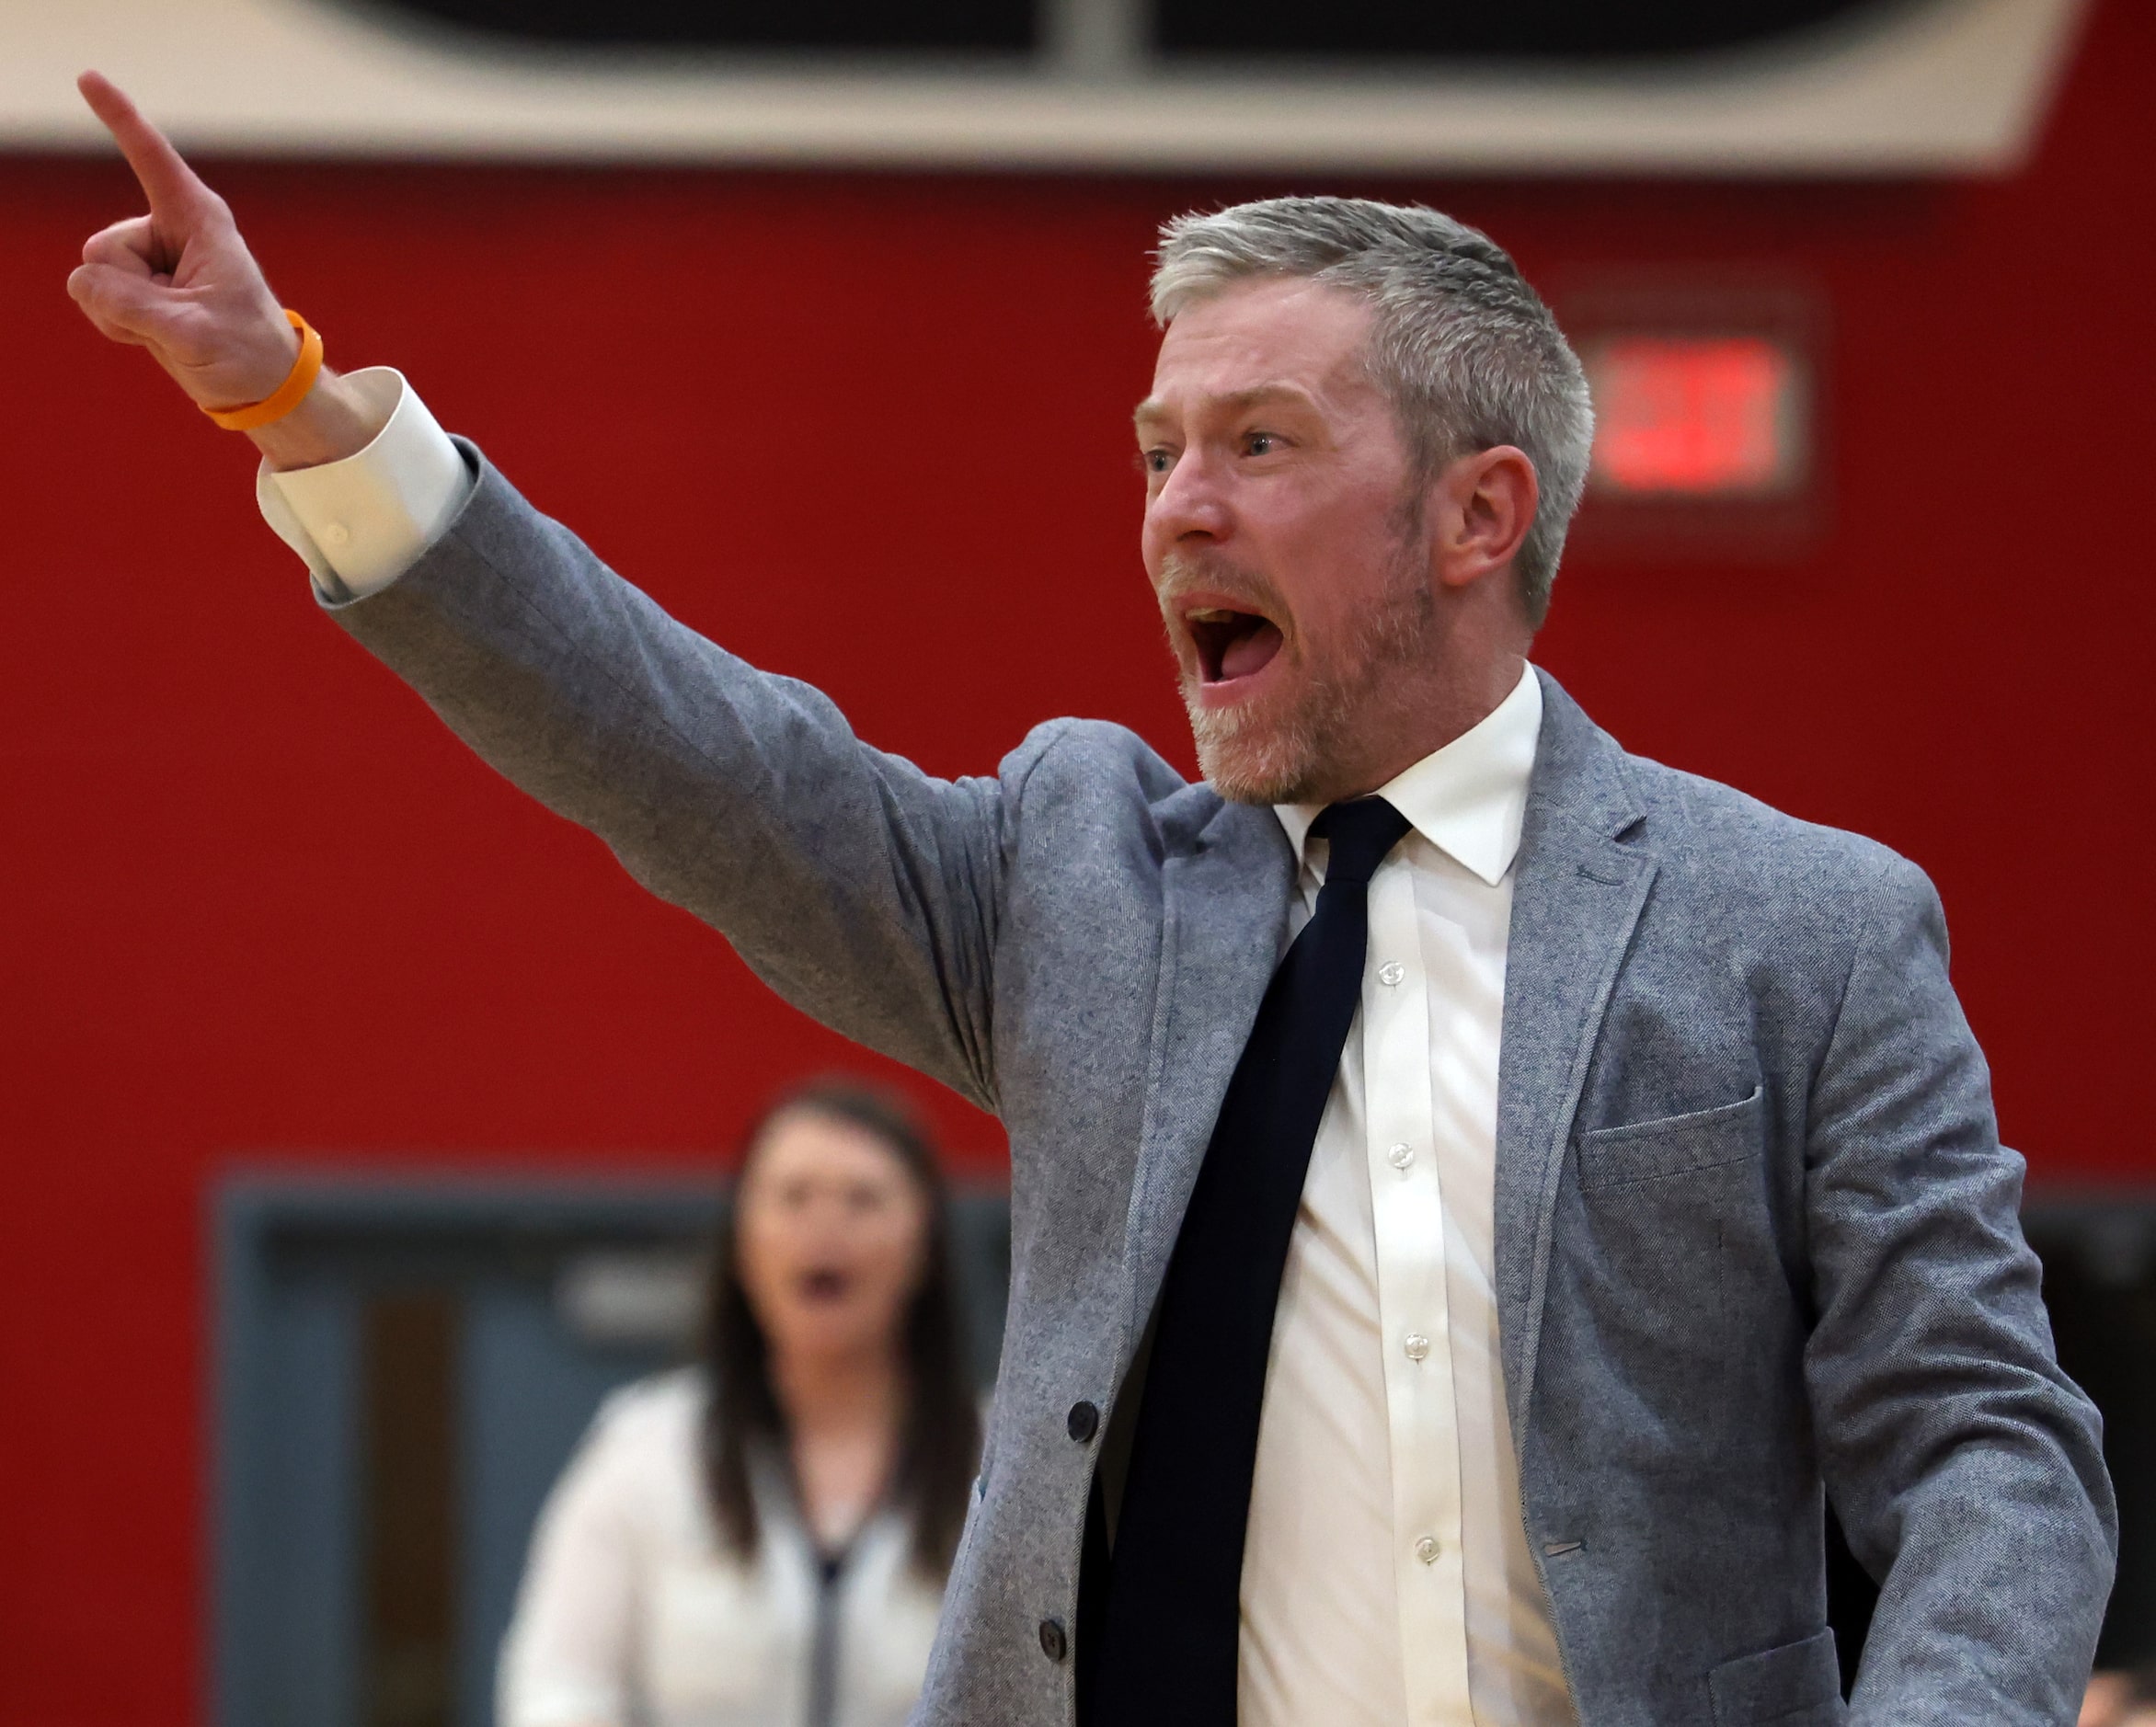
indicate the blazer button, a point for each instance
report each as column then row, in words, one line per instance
column 1083, row 1422
column 1053, row 1644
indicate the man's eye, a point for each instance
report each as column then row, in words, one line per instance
column 1153, row 460
column 1259, row 443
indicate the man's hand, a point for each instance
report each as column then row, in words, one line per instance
column 181, row 282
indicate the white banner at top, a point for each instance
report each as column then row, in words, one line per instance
column 1941, row 88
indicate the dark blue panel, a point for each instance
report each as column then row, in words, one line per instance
column 289, row 1652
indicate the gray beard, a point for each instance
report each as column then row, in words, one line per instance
column 1297, row 757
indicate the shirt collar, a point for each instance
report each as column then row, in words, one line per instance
column 1469, row 798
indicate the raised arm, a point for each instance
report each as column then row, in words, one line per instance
column 864, row 890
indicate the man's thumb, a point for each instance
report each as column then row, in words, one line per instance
column 124, row 305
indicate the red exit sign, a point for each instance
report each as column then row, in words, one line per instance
column 1708, row 417
column 1709, row 394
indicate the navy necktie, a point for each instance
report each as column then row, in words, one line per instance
column 1170, row 1625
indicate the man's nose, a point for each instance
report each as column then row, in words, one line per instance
column 1191, row 501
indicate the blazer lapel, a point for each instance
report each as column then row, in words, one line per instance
column 1576, row 896
column 1224, row 908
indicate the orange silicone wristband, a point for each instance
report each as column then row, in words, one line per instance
column 288, row 394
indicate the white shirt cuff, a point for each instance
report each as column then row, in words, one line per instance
column 360, row 523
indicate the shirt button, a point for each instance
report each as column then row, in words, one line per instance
column 1391, row 972
column 1400, row 1156
column 337, row 533
column 1426, row 1549
column 1083, row 1422
column 1417, row 1345
column 1053, row 1644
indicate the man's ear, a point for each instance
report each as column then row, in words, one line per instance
column 1482, row 508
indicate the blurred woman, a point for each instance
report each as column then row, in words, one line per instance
column 761, row 1540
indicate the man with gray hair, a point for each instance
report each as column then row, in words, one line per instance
column 1477, row 1196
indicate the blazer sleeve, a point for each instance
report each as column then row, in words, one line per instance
column 862, row 889
column 1965, row 1468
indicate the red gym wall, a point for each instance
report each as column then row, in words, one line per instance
column 871, row 429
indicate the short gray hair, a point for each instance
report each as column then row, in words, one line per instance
column 1466, row 349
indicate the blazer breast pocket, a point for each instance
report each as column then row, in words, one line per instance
column 1674, row 1145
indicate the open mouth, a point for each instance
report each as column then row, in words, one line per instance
column 823, row 1284
column 1230, row 644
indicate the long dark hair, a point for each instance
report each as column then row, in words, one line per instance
column 939, row 1439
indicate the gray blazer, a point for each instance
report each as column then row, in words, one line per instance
column 1756, row 1236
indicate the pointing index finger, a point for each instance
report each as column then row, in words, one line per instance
column 172, row 187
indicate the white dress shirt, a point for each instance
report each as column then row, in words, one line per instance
column 632, row 1612
column 1387, row 1578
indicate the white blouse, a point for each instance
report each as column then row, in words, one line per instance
column 634, row 1612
